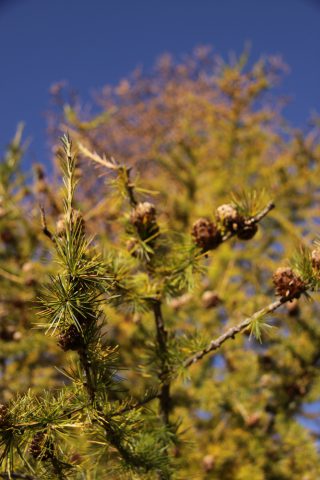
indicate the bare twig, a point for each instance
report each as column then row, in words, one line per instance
column 129, row 186
column 45, row 229
column 261, row 214
column 87, row 370
column 233, row 331
column 113, row 165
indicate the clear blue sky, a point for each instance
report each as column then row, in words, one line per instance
column 91, row 43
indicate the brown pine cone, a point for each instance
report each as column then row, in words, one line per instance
column 4, row 415
column 208, row 463
column 9, row 334
column 253, row 420
column 39, row 171
column 287, row 283
column 36, row 445
column 144, row 213
column 143, row 217
column 210, row 299
column 229, row 217
column 40, row 448
column 70, row 339
column 315, row 258
column 247, row 231
column 181, row 301
column 206, row 234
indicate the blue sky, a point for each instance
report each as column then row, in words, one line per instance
column 91, row 43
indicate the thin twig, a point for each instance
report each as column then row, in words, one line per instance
column 261, row 214
column 129, row 186
column 87, row 370
column 233, row 331
column 113, row 165
column 45, row 229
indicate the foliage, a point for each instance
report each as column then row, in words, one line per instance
column 151, row 269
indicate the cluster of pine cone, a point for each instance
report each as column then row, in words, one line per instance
column 208, row 235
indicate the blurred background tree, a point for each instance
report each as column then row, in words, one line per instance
column 164, row 151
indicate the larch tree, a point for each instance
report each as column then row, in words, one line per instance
column 159, row 305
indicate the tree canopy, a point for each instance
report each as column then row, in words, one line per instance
column 159, row 304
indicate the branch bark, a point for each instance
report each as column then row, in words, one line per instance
column 233, row 331
column 162, row 337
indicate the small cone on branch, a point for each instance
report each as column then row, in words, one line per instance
column 40, row 448
column 7, row 236
column 28, row 267
column 247, row 231
column 210, row 299
column 229, row 217
column 144, row 213
column 287, row 283
column 39, row 171
column 315, row 259
column 181, row 301
column 40, row 186
column 4, row 415
column 253, row 420
column 9, row 333
column 208, row 463
column 70, row 339
column 76, row 458
column 36, row 445
column 143, row 217
column 29, row 274
column 206, row 234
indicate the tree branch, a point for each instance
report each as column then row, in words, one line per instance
column 261, row 214
column 162, row 336
column 233, row 331
column 45, row 229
